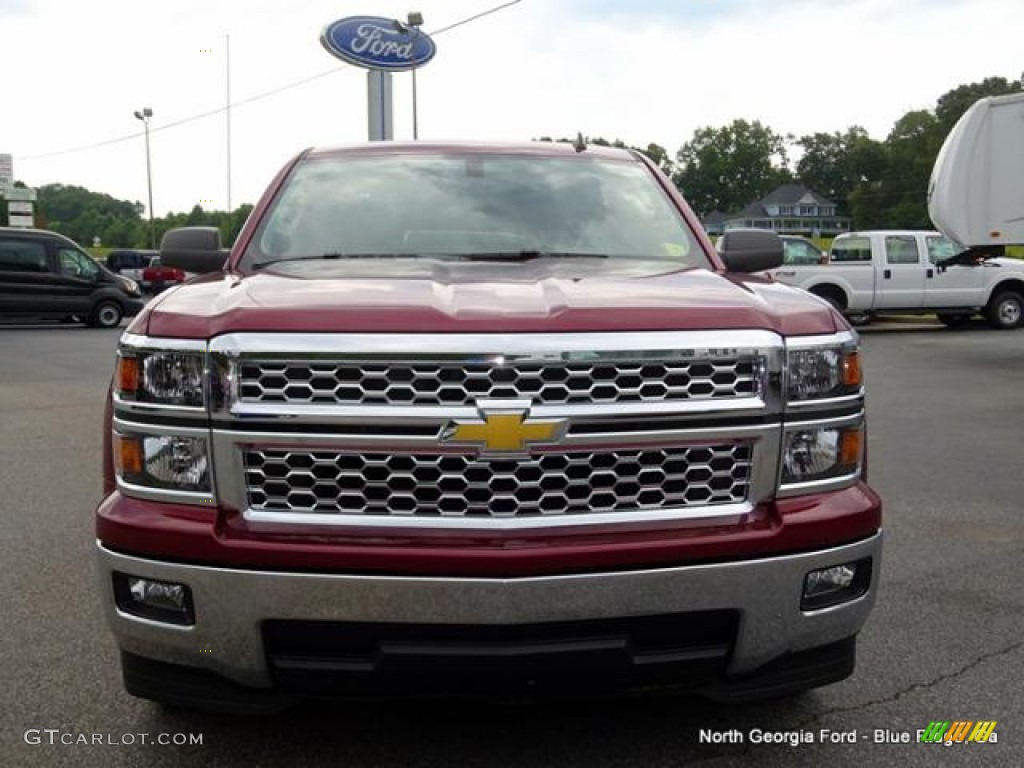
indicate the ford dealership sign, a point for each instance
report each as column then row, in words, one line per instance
column 375, row 42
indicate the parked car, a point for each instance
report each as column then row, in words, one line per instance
column 796, row 249
column 800, row 250
column 130, row 262
column 44, row 275
column 157, row 277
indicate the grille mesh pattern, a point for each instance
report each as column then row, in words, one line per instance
column 464, row 485
column 462, row 384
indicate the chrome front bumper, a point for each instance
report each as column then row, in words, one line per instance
column 231, row 605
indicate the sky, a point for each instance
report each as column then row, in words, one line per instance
column 637, row 70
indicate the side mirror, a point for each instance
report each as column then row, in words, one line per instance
column 750, row 250
column 193, row 249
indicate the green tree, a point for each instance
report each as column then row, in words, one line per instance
column 837, row 164
column 727, row 168
column 233, row 223
column 660, row 156
column 954, row 103
column 120, row 233
column 83, row 215
column 600, row 142
column 655, row 152
column 164, row 223
column 897, row 196
column 911, row 146
column 198, row 217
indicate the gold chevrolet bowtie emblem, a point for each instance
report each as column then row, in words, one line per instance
column 504, row 431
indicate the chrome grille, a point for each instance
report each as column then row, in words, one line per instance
column 397, row 383
column 464, row 485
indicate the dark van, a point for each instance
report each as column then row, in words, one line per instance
column 129, row 261
column 44, row 275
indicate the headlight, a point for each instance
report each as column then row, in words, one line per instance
column 168, row 377
column 170, row 462
column 816, row 373
column 129, row 286
column 815, row 454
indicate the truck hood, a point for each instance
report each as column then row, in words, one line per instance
column 1010, row 265
column 441, row 297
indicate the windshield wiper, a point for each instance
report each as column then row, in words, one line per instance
column 335, row 257
column 511, row 256
column 526, row 255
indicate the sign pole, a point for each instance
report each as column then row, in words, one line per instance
column 379, row 106
column 382, row 46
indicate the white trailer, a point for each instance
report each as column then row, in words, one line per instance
column 976, row 192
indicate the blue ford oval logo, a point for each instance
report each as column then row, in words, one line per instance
column 375, row 42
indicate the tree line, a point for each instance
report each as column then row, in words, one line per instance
column 87, row 217
column 879, row 184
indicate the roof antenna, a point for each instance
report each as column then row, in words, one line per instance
column 580, row 145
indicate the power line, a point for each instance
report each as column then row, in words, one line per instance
column 474, row 18
column 250, row 100
column 83, row 148
column 189, row 119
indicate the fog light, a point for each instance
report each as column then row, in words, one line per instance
column 158, row 594
column 152, row 599
column 829, row 580
column 835, row 584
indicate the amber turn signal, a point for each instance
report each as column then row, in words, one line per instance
column 128, row 455
column 852, row 375
column 127, row 375
column 851, row 447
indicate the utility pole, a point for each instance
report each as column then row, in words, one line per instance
column 145, row 116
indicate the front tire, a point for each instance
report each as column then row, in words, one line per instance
column 106, row 314
column 1006, row 310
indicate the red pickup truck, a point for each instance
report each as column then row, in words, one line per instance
column 482, row 418
column 158, row 277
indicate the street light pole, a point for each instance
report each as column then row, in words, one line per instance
column 227, row 110
column 144, row 116
column 413, row 22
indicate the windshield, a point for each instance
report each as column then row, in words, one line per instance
column 941, row 248
column 469, row 206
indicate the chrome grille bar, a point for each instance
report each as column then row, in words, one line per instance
column 556, row 383
column 459, row 485
column 346, row 430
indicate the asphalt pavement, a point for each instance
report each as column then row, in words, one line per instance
column 945, row 642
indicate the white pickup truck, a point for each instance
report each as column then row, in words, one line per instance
column 909, row 272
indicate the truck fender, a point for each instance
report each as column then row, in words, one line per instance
column 834, row 294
